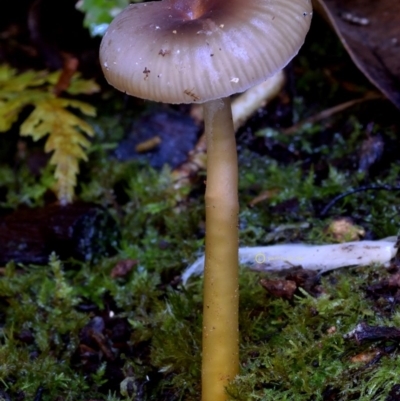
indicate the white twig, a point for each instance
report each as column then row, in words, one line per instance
column 312, row 257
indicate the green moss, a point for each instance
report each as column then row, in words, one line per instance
column 290, row 351
column 39, row 304
column 287, row 348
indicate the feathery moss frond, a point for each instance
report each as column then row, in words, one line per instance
column 66, row 132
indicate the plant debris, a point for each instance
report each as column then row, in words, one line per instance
column 364, row 332
column 80, row 230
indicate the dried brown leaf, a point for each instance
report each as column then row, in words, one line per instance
column 370, row 32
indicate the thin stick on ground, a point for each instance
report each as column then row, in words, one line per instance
column 330, row 112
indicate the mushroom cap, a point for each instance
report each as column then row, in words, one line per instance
column 193, row 51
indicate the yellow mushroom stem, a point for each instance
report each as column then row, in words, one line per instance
column 220, row 359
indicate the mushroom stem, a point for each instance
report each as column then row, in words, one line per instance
column 220, row 362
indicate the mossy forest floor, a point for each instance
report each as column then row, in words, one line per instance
column 83, row 330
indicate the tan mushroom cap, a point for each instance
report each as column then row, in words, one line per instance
column 192, row 51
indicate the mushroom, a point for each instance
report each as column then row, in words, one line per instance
column 203, row 51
